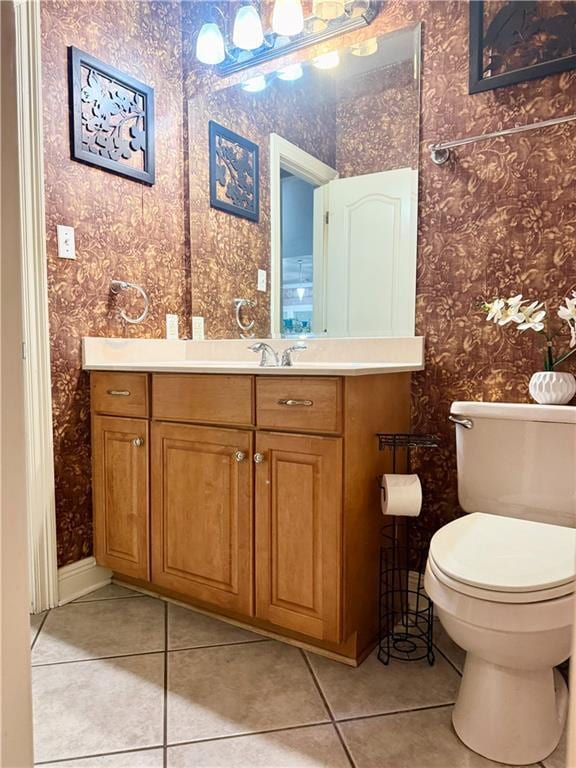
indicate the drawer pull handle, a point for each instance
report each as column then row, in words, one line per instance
column 137, row 442
column 258, row 458
column 297, row 403
column 239, row 456
column 119, row 392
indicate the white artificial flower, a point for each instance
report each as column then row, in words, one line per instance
column 533, row 322
column 494, row 310
column 512, row 313
column 568, row 313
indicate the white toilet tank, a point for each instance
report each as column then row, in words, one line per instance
column 517, row 460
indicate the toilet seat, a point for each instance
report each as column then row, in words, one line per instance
column 505, row 560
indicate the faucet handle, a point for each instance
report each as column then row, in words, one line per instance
column 287, row 361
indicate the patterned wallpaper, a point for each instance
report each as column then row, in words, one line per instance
column 123, row 229
column 501, row 218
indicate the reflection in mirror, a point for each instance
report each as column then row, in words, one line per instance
column 338, row 145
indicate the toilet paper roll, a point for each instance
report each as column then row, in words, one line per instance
column 401, row 495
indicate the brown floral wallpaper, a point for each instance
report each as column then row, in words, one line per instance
column 123, row 229
column 499, row 219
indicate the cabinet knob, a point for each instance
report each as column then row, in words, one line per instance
column 239, row 456
column 258, row 458
column 137, row 442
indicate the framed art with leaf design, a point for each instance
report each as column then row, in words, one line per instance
column 515, row 41
column 234, row 175
column 111, row 118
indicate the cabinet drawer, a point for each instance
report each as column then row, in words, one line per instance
column 119, row 394
column 303, row 404
column 203, row 398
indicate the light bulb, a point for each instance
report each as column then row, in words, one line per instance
column 210, row 44
column 365, row 48
column 287, row 17
column 291, row 72
column 255, row 84
column 247, row 33
column 328, row 9
column 300, row 293
column 327, row 60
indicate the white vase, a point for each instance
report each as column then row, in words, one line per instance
column 552, row 388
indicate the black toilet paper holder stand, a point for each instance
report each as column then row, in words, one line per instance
column 406, row 613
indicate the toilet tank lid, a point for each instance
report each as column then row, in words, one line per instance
column 561, row 414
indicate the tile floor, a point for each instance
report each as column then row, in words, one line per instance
column 123, row 680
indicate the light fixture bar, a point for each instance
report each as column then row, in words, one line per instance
column 305, row 39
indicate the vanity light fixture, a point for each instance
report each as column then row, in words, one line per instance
column 327, row 60
column 291, row 72
column 210, row 44
column 287, row 18
column 250, row 45
column 247, row 33
column 255, row 84
column 328, row 9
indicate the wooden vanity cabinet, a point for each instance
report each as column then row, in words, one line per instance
column 298, row 511
column 202, row 529
column 120, row 472
column 264, row 499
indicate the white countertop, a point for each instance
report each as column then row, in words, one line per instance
column 324, row 357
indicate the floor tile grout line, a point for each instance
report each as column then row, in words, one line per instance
column 165, row 712
column 245, row 734
column 219, row 645
column 98, row 658
column 99, row 754
column 37, row 635
column 80, row 600
column 146, row 653
column 448, row 659
column 394, row 712
column 328, row 710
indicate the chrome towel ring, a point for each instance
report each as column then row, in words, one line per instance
column 121, row 285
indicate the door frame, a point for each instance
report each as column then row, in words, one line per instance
column 41, row 507
column 284, row 154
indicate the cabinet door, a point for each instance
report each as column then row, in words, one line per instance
column 298, row 533
column 202, row 513
column 120, row 494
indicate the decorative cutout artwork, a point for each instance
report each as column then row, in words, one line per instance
column 234, row 181
column 111, row 118
column 515, row 41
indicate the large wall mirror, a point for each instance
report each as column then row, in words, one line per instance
column 338, row 183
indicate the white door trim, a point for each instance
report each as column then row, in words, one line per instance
column 43, row 571
column 284, row 154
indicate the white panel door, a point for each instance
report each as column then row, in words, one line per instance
column 371, row 255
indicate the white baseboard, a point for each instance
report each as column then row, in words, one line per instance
column 81, row 578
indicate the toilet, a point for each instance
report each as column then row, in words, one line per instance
column 502, row 576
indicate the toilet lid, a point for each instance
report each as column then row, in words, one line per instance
column 505, row 554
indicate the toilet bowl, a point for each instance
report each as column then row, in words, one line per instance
column 502, row 580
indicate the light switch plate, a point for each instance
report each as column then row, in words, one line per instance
column 198, row 328
column 262, row 280
column 66, row 242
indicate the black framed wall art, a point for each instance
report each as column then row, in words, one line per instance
column 234, row 172
column 111, row 118
column 515, row 41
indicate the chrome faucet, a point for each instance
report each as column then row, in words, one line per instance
column 268, row 354
column 287, row 361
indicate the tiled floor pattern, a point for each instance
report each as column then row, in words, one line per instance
column 123, row 680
